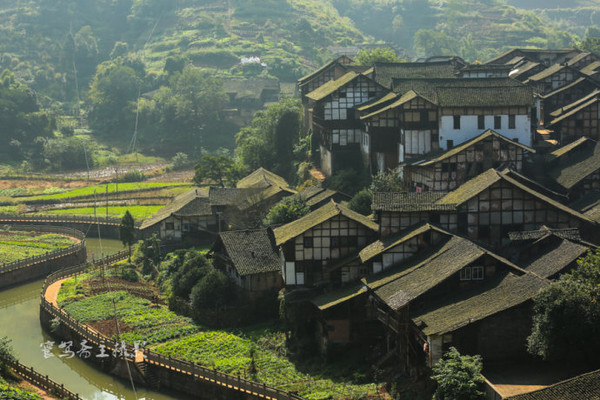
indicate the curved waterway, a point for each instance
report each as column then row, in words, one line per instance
column 20, row 321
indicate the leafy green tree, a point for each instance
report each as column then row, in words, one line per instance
column 287, row 210
column 6, row 354
column 388, row 181
column 270, row 139
column 220, row 169
column 428, row 42
column 348, row 181
column 361, row 202
column 566, row 321
column 458, row 377
column 68, row 153
column 192, row 270
column 379, row 54
column 127, row 231
column 112, row 95
column 213, row 290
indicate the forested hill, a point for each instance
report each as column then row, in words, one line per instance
column 120, row 67
column 47, row 42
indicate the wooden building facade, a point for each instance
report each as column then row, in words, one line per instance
column 312, row 246
column 456, row 166
column 580, row 118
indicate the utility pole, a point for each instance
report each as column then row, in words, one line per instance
column 107, row 201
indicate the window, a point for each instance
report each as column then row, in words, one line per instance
column 480, row 122
column 449, row 144
column 474, row 273
column 424, row 116
column 512, row 124
column 579, row 123
column 342, row 95
column 308, row 242
column 497, row 122
column 457, row 122
column 465, row 274
column 169, row 226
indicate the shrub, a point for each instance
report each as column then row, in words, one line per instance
column 361, row 202
column 458, row 377
column 287, row 210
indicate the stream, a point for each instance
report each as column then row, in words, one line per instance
column 20, row 321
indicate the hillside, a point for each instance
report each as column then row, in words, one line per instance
column 115, row 68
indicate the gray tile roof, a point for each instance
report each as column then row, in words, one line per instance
column 585, row 386
column 251, row 251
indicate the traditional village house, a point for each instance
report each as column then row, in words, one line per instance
column 584, row 386
column 546, row 57
column 553, row 77
column 485, row 208
column 451, row 273
column 485, row 71
column 248, row 96
column 311, row 247
column 386, row 73
column 429, row 115
column 575, row 168
column 189, row 215
column 577, row 119
column 564, row 96
column 456, row 166
column 262, row 178
column 331, row 71
column 251, row 259
column 547, row 252
column 317, row 196
column 335, row 120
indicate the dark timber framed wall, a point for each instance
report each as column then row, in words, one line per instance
column 451, row 172
column 584, row 122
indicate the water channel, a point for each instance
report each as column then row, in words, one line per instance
column 19, row 320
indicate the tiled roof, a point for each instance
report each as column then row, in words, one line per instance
column 338, row 296
column 590, row 83
column 556, row 259
column 385, row 73
column 433, row 159
column 194, row 202
column 543, row 232
column 408, row 201
column 524, row 68
column 591, row 68
column 262, row 178
column 381, row 246
column 378, row 102
column 566, row 149
column 458, row 310
column 229, row 196
column 293, row 229
column 577, row 167
column 573, row 108
column 589, row 205
column 330, row 87
column 249, row 88
column 405, row 98
column 586, row 386
column 546, row 73
column 342, row 60
column 499, row 96
column 473, row 187
column 251, row 251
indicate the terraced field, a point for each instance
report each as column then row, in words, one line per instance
column 16, row 245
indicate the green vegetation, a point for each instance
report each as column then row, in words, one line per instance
column 17, row 245
column 287, row 210
column 8, row 391
column 458, row 377
column 567, row 314
column 138, row 212
column 101, row 190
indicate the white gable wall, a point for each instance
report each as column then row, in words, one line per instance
column 469, row 130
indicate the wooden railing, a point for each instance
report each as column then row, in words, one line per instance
column 82, row 219
column 41, row 381
column 226, row 381
column 27, row 262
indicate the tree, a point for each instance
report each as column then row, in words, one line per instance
column 458, row 377
column 379, row 54
column 566, row 321
column 127, row 231
column 270, row 138
column 220, row 169
column 389, row 181
column 287, row 210
column 190, row 272
column 361, row 202
column 213, row 290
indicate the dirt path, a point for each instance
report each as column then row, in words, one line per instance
column 51, row 294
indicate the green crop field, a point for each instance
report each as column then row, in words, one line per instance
column 15, row 245
column 173, row 335
column 102, row 189
column 138, row 212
